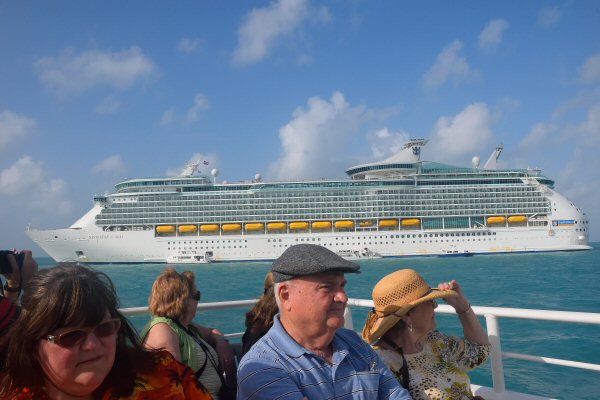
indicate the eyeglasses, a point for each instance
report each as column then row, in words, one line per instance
column 196, row 295
column 76, row 336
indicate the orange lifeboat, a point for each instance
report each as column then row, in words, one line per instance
column 165, row 229
column 410, row 222
column 344, row 224
column 209, row 228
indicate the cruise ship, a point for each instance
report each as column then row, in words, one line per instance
column 397, row 207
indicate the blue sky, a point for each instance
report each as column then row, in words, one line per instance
column 94, row 92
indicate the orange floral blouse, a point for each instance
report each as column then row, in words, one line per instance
column 170, row 380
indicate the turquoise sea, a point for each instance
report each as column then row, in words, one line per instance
column 567, row 281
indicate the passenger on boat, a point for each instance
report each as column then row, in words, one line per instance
column 70, row 341
column 260, row 319
column 17, row 268
column 401, row 329
column 173, row 304
column 307, row 353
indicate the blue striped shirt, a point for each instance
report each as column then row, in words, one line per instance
column 277, row 367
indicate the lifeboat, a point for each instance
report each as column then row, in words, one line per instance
column 344, row 224
column 209, row 228
column 231, row 227
column 515, row 219
column 365, row 223
column 165, row 229
column 298, row 226
column 496, row 220
column 410, row 222
column 321, row 225
column 276, row 226
column 188, row 228
column 388, row 223
column 254, row 226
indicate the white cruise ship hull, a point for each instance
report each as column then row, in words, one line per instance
column 93, row 245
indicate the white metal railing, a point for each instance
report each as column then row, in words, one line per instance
column 491, row 314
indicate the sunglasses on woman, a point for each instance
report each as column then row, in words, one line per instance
column 76, row 336
column 196, row 295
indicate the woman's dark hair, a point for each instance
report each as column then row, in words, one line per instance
column 260, row 318
column 68, row 295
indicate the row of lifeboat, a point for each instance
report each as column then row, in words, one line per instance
column 316, row 226
column 292, row 226
column 513, row 219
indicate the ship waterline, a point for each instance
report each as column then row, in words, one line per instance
column 396, row 207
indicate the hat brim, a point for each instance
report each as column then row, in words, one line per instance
column 376, row 327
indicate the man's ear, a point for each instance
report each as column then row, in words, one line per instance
column 284, row 295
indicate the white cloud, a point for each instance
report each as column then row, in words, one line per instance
column 264, row 26
column 168, row 117
column 450, row 64
column 112, row 164
column 188, row 46
column 109, row 105
column 589, row 130
column 73, row 73
column 462, row 134
column 200, row 104
column 385, row 143
column 491, row 35
column 538, row 135
column 51, row 199
column 316, row 135
column 26, row 181
column 549, row 16
column 13, row 127
column 21, row 176
column 590, row 70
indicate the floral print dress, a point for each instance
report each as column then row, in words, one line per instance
column 439, row 371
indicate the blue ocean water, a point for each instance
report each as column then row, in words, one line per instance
column 567, row 281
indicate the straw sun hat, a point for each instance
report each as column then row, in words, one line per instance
column 394, row 296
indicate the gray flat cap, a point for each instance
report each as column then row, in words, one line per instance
column 308, row 259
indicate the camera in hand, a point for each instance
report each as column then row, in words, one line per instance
column 5, row 267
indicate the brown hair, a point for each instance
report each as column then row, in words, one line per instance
column 260, row 317
column 170, row 293
column 68, row 295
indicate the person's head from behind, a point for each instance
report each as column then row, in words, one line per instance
column 310, row 288
column 69, row 332
column 404, row 304
column 174, row 295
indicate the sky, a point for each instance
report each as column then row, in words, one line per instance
column 95, row 92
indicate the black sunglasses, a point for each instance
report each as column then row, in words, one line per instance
column 76, row 336
column 196, row 295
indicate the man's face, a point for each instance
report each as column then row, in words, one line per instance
column 316, row 303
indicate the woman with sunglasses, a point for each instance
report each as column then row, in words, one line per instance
column 173, row 304
column 70, row 341
column 401, row 329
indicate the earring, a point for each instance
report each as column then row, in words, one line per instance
column 410, row 328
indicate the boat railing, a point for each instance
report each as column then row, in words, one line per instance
column 491, row 315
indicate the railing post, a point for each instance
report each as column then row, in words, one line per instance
column 493, row 331
column 348, row 323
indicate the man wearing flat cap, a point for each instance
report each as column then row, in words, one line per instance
column 307, row 354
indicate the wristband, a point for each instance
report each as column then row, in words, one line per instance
column 464, row 312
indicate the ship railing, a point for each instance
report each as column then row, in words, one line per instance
column 491, row 315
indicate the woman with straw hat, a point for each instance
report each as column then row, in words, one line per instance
column 401, row 329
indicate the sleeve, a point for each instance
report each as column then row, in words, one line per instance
column 8, row 314
column 182, row 379
column 192, row 388
column 464, row 353
column 260, row 379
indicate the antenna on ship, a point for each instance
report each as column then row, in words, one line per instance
column 492, row 162
column 214, row 172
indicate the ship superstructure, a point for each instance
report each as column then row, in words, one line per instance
column 401, row 206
